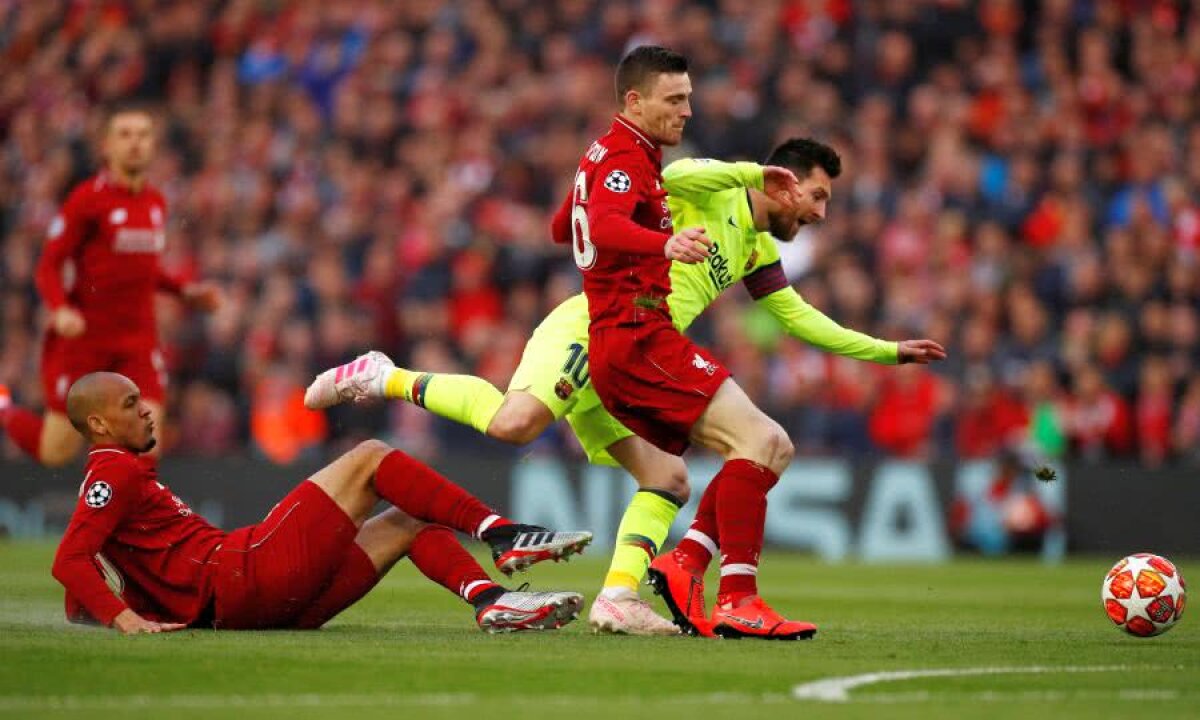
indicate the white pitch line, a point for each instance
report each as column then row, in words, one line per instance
column 838, row 689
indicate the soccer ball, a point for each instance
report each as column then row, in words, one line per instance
column 1144, row 594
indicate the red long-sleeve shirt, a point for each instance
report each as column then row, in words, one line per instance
column 102, row 258
column 617, row 220
column 131, row 543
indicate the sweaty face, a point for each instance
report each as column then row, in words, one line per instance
column 126, row 417
column 129, row 142
column 815, row 189
column 665, row 107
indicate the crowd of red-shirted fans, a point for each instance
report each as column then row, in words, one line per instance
column 1022, row 183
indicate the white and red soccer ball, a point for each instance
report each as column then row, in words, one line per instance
column 1144, row 594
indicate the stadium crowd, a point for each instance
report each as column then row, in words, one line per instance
column 1022, row 183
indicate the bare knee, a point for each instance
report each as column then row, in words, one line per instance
column 372, row 450
column 778, row 449
column 674, row 483
column 766, row 444
column 57, row 452
column 367, row 455
column 515, row 426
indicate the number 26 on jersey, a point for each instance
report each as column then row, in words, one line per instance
column 581, row 234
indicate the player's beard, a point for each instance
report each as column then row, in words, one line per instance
column 149, row 445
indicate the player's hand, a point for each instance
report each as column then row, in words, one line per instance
column 781, row 185
column 921, row 352
column 202, row 296
column 689, row 245
column 130, row 623
column 68, row 322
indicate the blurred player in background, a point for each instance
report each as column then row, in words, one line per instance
column 135, row 557
column 98, row 276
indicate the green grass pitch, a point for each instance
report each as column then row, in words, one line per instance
column 410, row 649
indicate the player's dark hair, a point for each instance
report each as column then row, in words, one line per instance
column 801, row 155
column 126, row 107
column 637, row 69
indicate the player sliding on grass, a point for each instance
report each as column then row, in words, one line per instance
column 315, row 554
column 552, row 380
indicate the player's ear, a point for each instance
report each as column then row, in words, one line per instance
column 97, row 427
column 633, row 101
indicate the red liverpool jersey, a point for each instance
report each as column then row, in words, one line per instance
column 130, row 530
column 617, row 221
column 102, row 257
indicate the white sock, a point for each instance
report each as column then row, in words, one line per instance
column 618, row 592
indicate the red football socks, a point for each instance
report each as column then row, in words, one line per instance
column 422, row 492
column 354, row 579
column 437, row 553
column 25, row 429
column 700, row 543
column 741, row 514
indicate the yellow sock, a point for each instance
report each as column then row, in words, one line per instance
column 465, row 399
column 643, row 529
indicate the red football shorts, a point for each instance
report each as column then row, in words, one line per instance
column 66, row 360
column 654, row 380
column 266, row 575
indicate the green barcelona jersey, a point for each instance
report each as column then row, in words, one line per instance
column 712, row 195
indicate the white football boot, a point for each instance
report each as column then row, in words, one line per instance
column 628, row 615
column 363, row 377
column 520, row 610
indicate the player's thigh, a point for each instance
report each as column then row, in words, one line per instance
column 651, row 467
column 60, row 442
column 146, row 368
column 597, row 430
column 265, row 575
column 347, row 480
column 734, row 427
column 63, row 362
column 656, row 381
column 554, row 366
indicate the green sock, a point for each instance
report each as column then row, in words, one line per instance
column 643, row 529
column 465, row 399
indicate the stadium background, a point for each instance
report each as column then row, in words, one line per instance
column 1021, row 184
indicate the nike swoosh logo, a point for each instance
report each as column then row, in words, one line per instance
column 731, row 222
column 756, row 625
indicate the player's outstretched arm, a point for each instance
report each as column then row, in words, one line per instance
column 814, row 327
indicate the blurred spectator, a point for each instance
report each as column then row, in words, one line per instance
column 1153, row 412
column 1098, row 420
column 902, row 421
